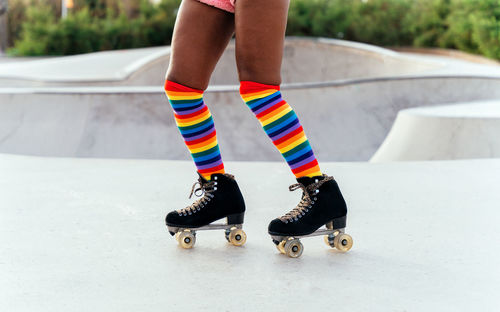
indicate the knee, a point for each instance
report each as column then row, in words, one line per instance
column 251, row 90
column 174, row 89
column 186, row 80
column 259, row 77
column 253, row 70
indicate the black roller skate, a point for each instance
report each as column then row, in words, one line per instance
column 221, row 198
column 321, row 204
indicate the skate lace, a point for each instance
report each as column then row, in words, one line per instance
column 204, row 189
column 306, row 201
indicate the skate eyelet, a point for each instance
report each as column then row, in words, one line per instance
column 317, row 191
column 215, row 183
column 215, row 178
column 215, row 188
column 316, row 181
column 315, row 198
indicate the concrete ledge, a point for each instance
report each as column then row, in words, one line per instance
column 460, row 131
column 113, row 89
column 98, row 66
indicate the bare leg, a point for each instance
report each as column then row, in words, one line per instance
column 260, row 35
column 201, row 34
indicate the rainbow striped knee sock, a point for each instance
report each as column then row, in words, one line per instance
column 282, row 126
column 196, row 125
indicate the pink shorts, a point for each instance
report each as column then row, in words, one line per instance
column 226, row 5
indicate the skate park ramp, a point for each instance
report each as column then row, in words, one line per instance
column 459, row 131
column 88, row 235
column 347, row 95
column 304, row 60
column 83, row 69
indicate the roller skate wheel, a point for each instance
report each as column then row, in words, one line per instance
column 343, row 242
column 237, row 237
column 293, row 248
column 281, row 247
column 329, row 240
column 186, row 239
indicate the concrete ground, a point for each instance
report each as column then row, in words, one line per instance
column 89, row 235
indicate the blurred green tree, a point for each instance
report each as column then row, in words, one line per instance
column 93, row 25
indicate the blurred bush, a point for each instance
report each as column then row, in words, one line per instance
column 474, row 26
column 468, row 25
column 322, row 18
column 94, row 25
column 15, row 18
column 426, row 23
column 380, row 22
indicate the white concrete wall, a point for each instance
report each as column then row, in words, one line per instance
column 342, row 122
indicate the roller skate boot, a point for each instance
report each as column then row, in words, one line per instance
column 220, row 199
column 322, row 204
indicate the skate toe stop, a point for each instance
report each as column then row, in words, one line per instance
column 277, row 226
column 173, row 218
